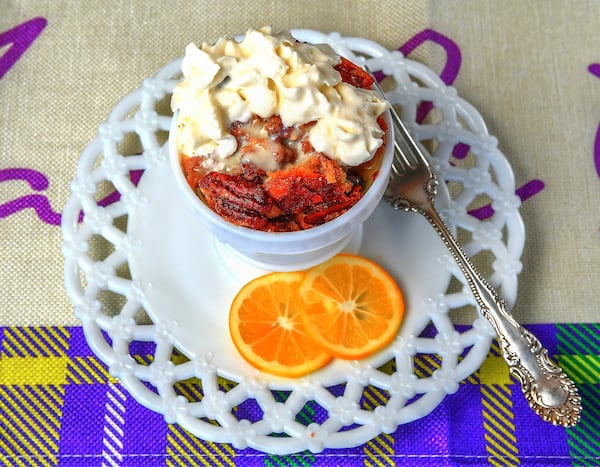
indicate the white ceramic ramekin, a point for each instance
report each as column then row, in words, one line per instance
column 287, row 251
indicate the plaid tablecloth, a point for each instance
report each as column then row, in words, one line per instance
column 60, row 406
column 531, row 68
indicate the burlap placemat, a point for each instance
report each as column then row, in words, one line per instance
column 528, row 67
column 524, row 66
column 532, row 69
column 88, row 56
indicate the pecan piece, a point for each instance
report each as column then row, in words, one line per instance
column 240, row 201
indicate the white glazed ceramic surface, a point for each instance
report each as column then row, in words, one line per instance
column 142, row 271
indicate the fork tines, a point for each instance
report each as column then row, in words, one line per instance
column 407, row 151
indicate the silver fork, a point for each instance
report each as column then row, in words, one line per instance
column 548, row 390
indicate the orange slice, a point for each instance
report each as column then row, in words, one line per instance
column 353, row 307
column 267, row 329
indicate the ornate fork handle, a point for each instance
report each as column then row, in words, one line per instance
column 548, row 390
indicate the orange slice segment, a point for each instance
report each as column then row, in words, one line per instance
column 267, row 329
column 353, row 307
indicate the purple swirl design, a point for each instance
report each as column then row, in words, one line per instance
column 20, row 38
column 451, row 68
column 453, row 60
column 594, row 69
column 524, row 192
column 37, row 180
column 38, row 202
column 448, row 75
column 135, row 177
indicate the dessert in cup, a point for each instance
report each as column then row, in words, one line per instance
column 280, row 148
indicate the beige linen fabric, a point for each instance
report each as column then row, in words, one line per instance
column 89, row 56
column 523, row 66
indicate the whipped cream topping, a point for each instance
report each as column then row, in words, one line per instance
column 266, row 74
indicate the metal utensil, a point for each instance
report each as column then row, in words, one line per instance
column 548, row 390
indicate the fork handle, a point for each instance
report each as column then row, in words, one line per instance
column 548, row 390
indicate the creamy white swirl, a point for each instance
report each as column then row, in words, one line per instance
column 266, row 74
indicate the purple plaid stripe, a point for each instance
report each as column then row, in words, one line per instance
column 92, row 417
column 82, row 421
